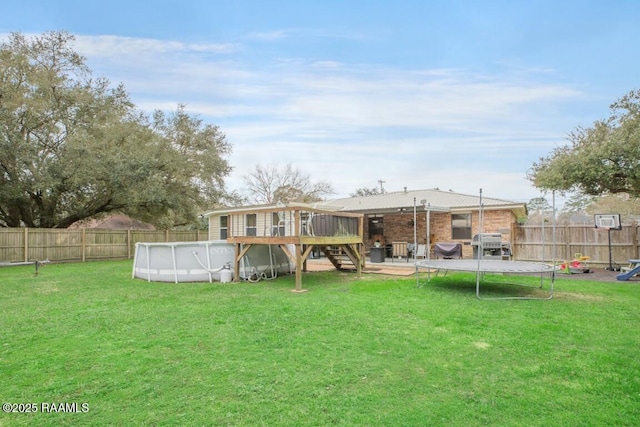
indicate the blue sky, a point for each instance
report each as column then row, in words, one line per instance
column 458, row 95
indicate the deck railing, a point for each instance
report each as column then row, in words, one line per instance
column 293, row 223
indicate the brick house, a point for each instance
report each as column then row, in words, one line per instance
column 389, row 217
column 453, row 217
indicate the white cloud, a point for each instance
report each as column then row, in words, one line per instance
column 130, row 47
column 349, row 124
column 270, row 35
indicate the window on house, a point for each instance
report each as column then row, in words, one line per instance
column 224, row 228
column 252, row 224
column 277, row 221
column 461, row 226
column 376, row 226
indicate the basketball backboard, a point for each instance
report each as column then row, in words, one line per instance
column 608, row 221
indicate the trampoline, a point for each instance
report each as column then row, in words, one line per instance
column 482, row 266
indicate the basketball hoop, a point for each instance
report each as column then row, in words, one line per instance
column 608, row 222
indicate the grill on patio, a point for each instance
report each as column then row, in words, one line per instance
column 492, row 246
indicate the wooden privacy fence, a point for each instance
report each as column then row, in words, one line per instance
column 530, row 243
column 535, row 243
column 30, row 244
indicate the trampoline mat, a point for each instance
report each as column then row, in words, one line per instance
column 486, row 266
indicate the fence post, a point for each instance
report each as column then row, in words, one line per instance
column 568, row 256
column 512, row 240
column 26, row 244
column 634, row 239
column 84, row 244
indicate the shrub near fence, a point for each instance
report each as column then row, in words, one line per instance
column 29, row 244
column 535, row 243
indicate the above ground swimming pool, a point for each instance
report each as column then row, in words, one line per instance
column 206, row 262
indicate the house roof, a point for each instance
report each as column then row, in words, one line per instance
column 436, row 200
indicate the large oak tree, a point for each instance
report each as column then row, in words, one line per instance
column 72, row 147
column 602, row 159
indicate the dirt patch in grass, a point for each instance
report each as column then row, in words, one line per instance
column 577, row 296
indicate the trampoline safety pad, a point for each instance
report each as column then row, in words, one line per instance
column 486, row 266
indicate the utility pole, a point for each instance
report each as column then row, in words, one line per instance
column 381, row 188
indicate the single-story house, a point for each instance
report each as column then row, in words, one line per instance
column 386, row 218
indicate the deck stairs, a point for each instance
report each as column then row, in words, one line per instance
column 341, row 258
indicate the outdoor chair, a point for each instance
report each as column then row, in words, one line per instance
column 400, row 250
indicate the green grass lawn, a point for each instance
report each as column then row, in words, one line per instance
column 378, row 351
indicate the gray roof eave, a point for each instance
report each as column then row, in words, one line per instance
column 393, row 210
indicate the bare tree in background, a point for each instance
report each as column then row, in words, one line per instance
column 364, row 191
column 269, row 184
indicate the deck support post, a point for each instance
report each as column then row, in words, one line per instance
column 299, row 262
column 236, row 263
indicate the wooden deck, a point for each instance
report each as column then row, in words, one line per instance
column 297, row 229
